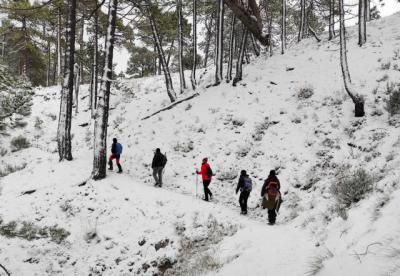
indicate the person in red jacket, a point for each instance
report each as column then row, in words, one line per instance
column 206, row 175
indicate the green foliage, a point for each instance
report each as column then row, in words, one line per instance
column 19, row 143
column 15, row 99
column 393, row 103
column 140, row 62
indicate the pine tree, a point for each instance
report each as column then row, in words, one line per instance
column 193, row 74
column 219, row 43
column 101, row 119
column 180, row 45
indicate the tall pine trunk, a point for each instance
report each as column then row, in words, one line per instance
column 219, row 43
column 283, row 27
column 77, row 79
column 59, row 46
column 362, row 26
column 239, row 63
column 161, row 55
column 331, row 19
column 302, row 20
column 256, row 48
column 194, row 60
column 368, row 10
column 270, row 46
column 231, row 49
column 65, row 117
column 357, row 99
column 101, row 120
column 180, row 46
column 208, row 39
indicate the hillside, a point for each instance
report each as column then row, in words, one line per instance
column 290, row 113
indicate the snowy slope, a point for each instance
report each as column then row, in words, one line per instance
column 259, row 125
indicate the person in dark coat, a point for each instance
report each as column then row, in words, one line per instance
column 158, row 164
column 245, row 186
column 270, row 192
column 116, row 150
column 206, row 175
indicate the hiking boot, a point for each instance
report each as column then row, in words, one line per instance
column 111, row 165
column 119, row 168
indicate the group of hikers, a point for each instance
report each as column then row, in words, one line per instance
column 270, row 191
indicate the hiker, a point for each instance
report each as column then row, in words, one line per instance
column 116, row 150
column 271, row 196
column 206, row 175
column 158, row 164
column 244, row 185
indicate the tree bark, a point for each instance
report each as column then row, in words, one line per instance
column 65, row 117
column 77, row 78
column 231, row 49
column 101, row 120
column 167, row 75
column 368, row 10
column 331, row 19
column 59, row 47
column 194, row 60
column 283, row 27
column 219, row 43
column 208, row 39
column 255, row 46
column 357, row 99
column 302, row 20
column 362, row 34
column 239, row 71
column 180, row 46
column 251, row 20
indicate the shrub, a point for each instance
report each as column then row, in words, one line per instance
column 19, row 143
column 385, row 65
column 184, row 146
column 305, row 92
column 351, row 186
column 393, row 104
column 11, row 169
column 3, row 151
column 38, row 123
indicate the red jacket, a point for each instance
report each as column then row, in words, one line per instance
column 203, row 171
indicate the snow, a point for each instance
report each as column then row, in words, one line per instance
column 259, row 125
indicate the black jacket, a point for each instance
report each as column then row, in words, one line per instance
column 159, row 160
column 240, row 183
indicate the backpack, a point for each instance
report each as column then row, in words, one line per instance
column 164, row 159
column 272, row 189
column 118, row 148
column 209, row 171
column 247, row 184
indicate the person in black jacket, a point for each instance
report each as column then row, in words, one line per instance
column 158, row 164
column 245, row 186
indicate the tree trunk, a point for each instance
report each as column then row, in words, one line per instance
column 48, row 63
column 208, row 39
column 180, row 47
column 368, row 10
column 302, row 20
column 59, row 47
column 81, row 46
column 357, row 99
column 167, row 75
column 283, row 27
column 65, row 117
column 219, row 43
column 255, row 46
column 155, row 60
column 362, row 35
column 239, row 63
column 251, row 20
column 171, row 47
column 231, row 49
column 101, row 120
column 96, row 60
column 331, row 19
column 77, row 78
column 193, row 75
column 271, row 52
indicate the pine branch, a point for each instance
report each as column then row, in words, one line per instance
column 5, row 270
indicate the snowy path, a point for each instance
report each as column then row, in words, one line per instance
column 122, row 210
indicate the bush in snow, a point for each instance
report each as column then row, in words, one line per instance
column 11, row 169
column 385, row 65
column 260, row 128
column 184, row 146
column 3, row 151
column 19, row 143
column 351, row 186
column 393, row 104
column 317, row 263
column 305, row 92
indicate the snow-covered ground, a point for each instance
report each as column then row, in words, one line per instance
column 124, row 226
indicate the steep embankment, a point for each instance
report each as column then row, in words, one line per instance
column 290, row 113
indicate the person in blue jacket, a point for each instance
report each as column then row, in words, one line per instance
column 116, row 150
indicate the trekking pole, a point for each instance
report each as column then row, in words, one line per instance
column 197, row 180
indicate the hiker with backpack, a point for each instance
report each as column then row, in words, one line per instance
column 271, row 196
column 116, row 150
column 245, row 186
column 158, row 164
column 206, row 175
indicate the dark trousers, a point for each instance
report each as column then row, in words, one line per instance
column 244, row 196
column 206, row 189
column 271, row 216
